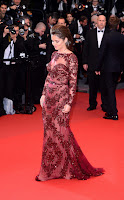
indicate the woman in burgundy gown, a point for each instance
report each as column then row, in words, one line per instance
column 62, row 156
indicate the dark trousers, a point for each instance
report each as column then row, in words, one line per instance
column 7, row 84
column 78, row 52
column 38, row 75
column 20, row 85
column 96, row 83
column 8, row 81
column 111, row 83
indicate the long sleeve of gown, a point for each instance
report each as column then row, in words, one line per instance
column 73, row 68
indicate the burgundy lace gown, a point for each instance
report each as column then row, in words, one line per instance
column 62, row 156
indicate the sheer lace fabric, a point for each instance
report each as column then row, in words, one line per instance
column 61, row 156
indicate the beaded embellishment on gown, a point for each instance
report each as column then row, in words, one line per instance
column 61, row 156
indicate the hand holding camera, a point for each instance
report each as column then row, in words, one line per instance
column 6, row 31
column 14, row 7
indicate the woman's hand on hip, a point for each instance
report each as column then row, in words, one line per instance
column 66, row 108
column 42, row 100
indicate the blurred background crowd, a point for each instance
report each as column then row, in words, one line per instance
column 26, row 46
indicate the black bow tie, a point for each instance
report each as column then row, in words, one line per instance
column 100, row 31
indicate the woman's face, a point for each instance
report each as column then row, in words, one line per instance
column 58, row 43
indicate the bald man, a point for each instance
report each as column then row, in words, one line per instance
column 92, row 44
column 111, row 54
column 94, row 19
column 37, row 50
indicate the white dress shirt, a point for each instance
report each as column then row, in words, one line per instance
column 9, row 52
column 60, row 8
column 94, row 8
column 100, row 34
column 80, row 29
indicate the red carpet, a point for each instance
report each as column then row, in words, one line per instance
column 101, row 140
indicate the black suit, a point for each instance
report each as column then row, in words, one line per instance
column 38, row 69
column 90, row 57
column 8, row 72
column 51, row 5
column 73, row 27
column 91, row 8
column 79, row 45
column 111, row 54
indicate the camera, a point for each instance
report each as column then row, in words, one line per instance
column 80, row 6
column 21, row 30
column 7, row 21
column 92, row 25
column 19, row 8
column 121, row 15
column 101, row 10
column 11, row 29
column 21, row 22
column 82, row 38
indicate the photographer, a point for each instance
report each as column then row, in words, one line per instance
column 25, row 25
column 79, row 37
column 36, row 47
column 16, row 10
column 5, row 19
column 81, row 9
column 93, row 23
column 10, row 49
column 23, row 99
column 96, row 8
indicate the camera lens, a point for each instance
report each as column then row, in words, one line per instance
column 13, row 32
column 21, row 31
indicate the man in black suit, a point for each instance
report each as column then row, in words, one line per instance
column 16, row 10
column 47, row 6
column 91, row 48
column 114, row 7
column 111, row 55
column 94, row 9
column 10, row 47
column 39, row 51
column 50, row 22
column 79, row 37
column 6, row 19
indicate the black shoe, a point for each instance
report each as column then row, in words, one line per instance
column 91, row 108
column 108, row 116
column 33, row 108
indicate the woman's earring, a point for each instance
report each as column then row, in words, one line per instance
column 67, row 43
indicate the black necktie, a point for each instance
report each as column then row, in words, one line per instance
column 100, row 31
